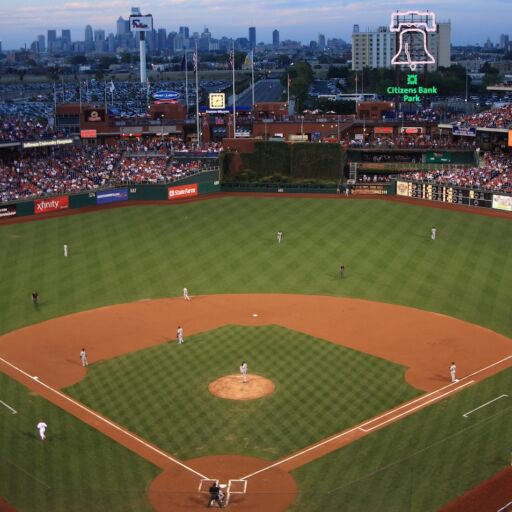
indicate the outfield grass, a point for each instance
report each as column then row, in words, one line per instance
column 76, row 469
column 419, row 463
column 162, row 393
column 228, row 245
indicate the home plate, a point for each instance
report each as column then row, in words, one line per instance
column 255, row 315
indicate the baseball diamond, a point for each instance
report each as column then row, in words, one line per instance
column 357, row 392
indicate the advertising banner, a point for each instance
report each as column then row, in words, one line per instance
column 402, row 188
column 45, row 143
column 381, row 130
column 51, row 204
column 88, row 134
column 464, row 130
column 434, row 157
column 502, row 202
column 182, row 191
column 510, row 138
column 8, row 211
column 112, row 196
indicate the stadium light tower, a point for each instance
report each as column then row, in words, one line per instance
column 141, row 24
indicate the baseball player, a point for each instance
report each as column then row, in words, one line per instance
column 243, row 372
column 42, row 426
column 65, row 250
column 35, row 298
column 83, row 357
column 453, row 370
column 342, row 270
column 279, row 237
column 179, row 335
column 433, row 232
column 185, row 294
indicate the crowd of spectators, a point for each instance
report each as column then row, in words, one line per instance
column 499, row 117
column 495, row 174
column 404, row 141
column 52, row 171
column 15, row 129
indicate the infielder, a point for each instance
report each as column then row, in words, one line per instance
column 42, row 426
column 179, row 335
column 185, row 294
column 433, row 232
column 243, row 372
column 65, row 250
column 453, row 370
column 279, row 237
column 83, row 357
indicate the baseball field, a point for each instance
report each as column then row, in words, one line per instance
column 360, row 413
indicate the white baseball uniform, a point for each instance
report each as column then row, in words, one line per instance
column 185, row 294
column 41, row 426
column 433, row 232
column 453, row 370
column 243, row 372
column 279, row 237
column 83, row 357
column 65, row 250
column 179, row 335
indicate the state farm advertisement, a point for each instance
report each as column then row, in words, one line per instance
column 182, row 191
column 51, row 204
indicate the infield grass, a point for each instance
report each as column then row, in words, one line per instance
column 162, row 394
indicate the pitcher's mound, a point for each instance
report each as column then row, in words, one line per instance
column 232, row 387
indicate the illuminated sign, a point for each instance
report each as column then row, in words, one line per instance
column 88, row 134
column 182, row 191
column 510, row 138
column 44, row 143
column 166, row 97
column 412, row 94
column 412, row 28
column 217, row 101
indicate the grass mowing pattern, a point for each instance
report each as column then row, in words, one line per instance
column 419, row 463
column 228, row 246
column 321, row 388
column 76, row 469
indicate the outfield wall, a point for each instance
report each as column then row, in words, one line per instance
column 189, row 187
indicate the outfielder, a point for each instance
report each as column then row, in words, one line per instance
column 185, row 294
column 65, row 250
column 279, row 237
column 433, row 232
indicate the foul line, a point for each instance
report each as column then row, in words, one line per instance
column 505, row 507
column 483, row 405
column 360, row 427
column 105, row 420
column 409, row 411
column 8, row 407
column 349, row 431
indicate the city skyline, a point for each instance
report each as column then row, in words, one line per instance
column 298, row 20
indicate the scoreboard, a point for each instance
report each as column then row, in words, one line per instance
column 445, row 194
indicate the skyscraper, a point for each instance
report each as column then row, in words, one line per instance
column 66, row 36
column 123, row 26
column 162, row 39
column 99, row 41
column 41, row 43
column 275, row 38
column 184, row 32
column 89, row 41
column 252, row 37
column 52, row 39
column 321, row 41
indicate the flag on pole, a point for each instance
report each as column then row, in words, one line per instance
column 112, row 87
column 289, row 81
column 194, row 60
column 248, row 59
column 183, row 65
column 232, row 58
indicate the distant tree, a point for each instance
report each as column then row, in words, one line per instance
column 283, row 61
column 126, row 58
column 78, row 60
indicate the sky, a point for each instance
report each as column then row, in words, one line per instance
column 472, row 20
